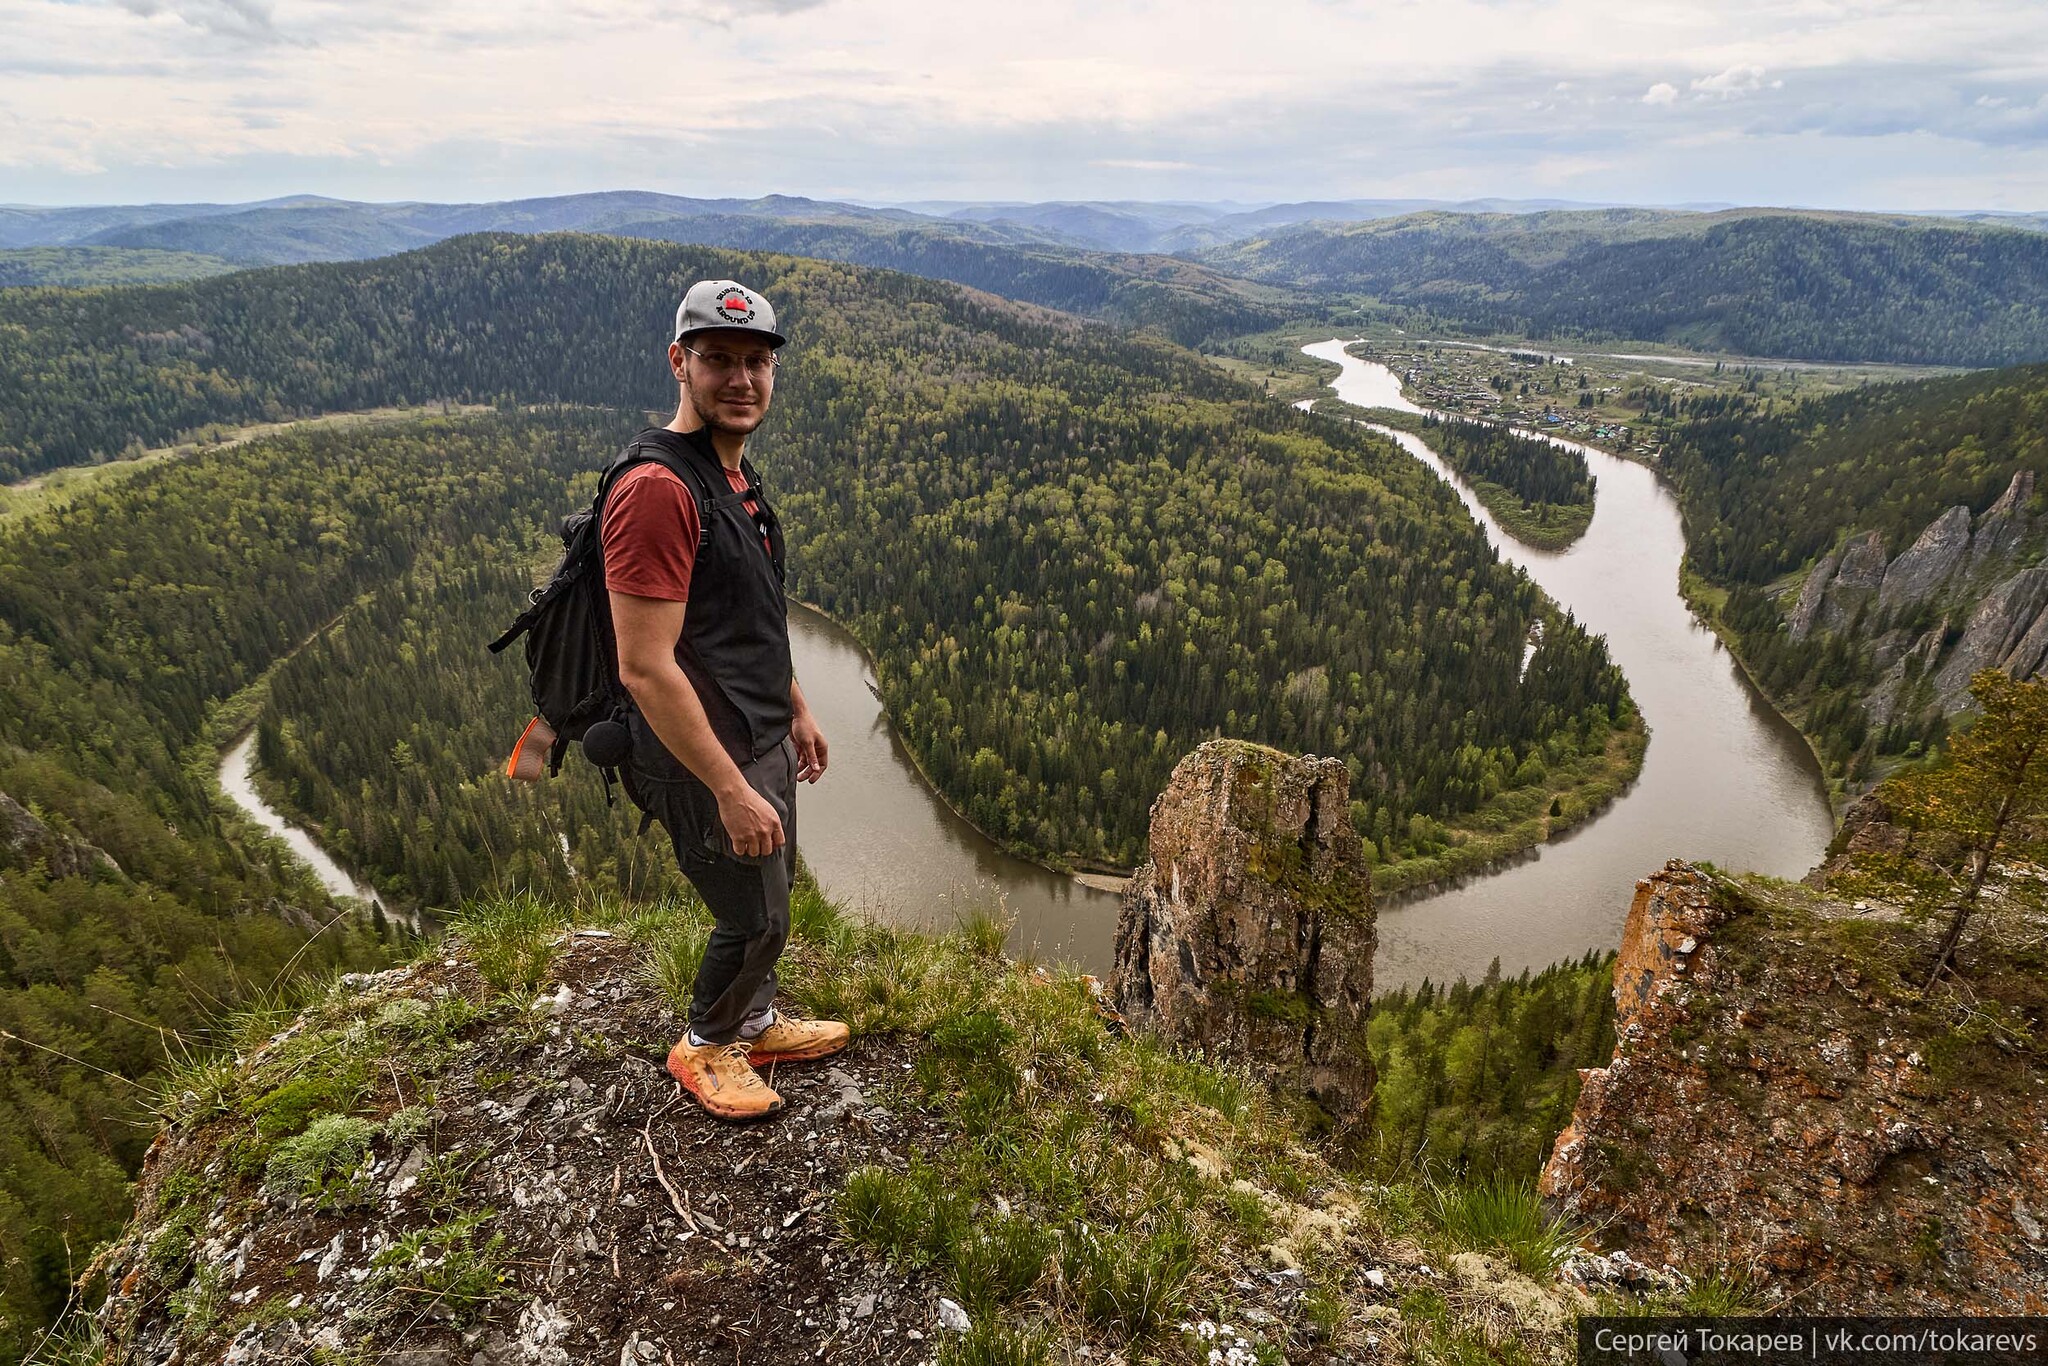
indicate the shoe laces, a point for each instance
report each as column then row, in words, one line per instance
column 733, row 1057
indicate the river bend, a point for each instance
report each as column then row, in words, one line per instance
column 1725, row 779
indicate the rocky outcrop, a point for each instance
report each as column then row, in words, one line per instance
column 26, row 841
column 1772, row 1112
column 1850, row 581
column 1249, row 932
column 2009, row 631
column 2007, row 527
column 1930, row 563
column 518, row 1201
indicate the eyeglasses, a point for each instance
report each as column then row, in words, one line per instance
column 724, row 363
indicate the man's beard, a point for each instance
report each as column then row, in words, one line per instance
column 705, row 414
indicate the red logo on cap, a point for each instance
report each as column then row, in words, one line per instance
column 736, row 307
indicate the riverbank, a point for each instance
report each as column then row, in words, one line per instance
column 224, row 759
column 1540, row 526
column 1706, row 601
column 1513, row 824
column 1091, row 873
column 1728, row 780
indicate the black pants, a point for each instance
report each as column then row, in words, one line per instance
column 748, row 897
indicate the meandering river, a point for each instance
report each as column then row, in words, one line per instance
column 1725, row 778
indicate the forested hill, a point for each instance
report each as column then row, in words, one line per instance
column 1768, row 488
column 85, row 375
column 1835, row 287
column 1074, row 553
column 1877, row 547
column 1181, row 299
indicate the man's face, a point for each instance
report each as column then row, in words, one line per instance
column 728, row 376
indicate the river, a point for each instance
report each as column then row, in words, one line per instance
column 878, row 837
column 1725, row 779
column 237, row 768
column 872, row 830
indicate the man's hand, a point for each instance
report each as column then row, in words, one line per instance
column 810, row 748
column 810, row 741
column 750, row 822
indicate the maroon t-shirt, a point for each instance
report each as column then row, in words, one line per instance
column 650, row 532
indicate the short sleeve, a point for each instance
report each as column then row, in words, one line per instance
column 650, row 535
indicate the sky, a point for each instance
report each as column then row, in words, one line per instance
column 1883, row 104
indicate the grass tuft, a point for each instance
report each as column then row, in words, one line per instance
column 1507, row 1217
column 322, row 1163
column 997, row 1263
column 1128, row 1286
column 990, row 1343
column 511, row 938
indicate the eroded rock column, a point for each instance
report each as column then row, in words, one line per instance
column 1249, row 933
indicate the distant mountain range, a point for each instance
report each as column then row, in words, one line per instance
column 1968, row 289
column 1180, row 298
column 1758, row 282
column 301, row 228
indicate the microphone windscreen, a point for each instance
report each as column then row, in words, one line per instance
column 607, row 744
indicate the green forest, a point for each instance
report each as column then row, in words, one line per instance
column 1539, row 491
column 1479, row 1078
column 1838, row 287
column 127, row 619
column 1136, row 552
column 76, row 267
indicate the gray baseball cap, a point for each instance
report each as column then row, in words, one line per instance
column 725, row 304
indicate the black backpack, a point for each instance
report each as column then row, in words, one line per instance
column 571, row 654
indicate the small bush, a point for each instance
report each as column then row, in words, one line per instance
column 409, row 1123
column 321, row 1162
column 287, row 1109
column 450, row 1265
column 1508, row 1217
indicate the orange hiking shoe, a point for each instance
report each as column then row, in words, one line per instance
column 721, row 1079
column 787, row 1040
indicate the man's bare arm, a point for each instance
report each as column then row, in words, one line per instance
column 647, row 630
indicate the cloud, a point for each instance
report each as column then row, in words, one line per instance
column 1736, row 80
column 237, row 18
column 470, row 99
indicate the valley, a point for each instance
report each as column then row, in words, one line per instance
column 1057, row 557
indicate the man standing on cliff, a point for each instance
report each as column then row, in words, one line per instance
column 721, row 732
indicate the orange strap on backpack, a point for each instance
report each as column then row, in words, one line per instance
column 529, row 761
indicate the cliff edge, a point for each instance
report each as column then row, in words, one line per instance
column 1783, row 1104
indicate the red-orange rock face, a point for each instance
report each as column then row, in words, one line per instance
column 1249, row 932
column 1769, row 1113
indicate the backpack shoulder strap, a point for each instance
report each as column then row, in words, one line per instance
column 650, row 453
